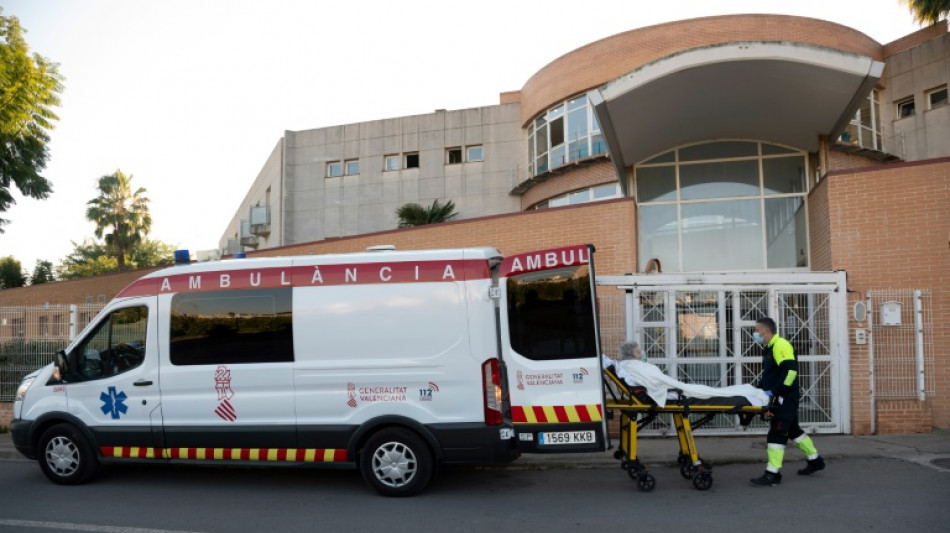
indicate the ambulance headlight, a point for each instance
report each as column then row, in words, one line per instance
column 24, row 386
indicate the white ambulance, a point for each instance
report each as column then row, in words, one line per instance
column 394, row 362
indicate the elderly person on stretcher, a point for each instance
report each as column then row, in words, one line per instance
column 634, row 371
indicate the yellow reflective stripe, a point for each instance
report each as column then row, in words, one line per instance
column 291, row 454
column 529, row 415
column 218, row 453
column 593, row 413
column 549, row 413
column 328, row 456
column 790, row 378
column 782, row 350
column 572, row 415
column 271, row 455
column 255, row 454
column 310, row 456
column 200, row 453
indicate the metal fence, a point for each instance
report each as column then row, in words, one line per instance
column 901, row 350
column 31, row 336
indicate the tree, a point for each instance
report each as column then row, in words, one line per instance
column 30, row 86
column 120, row 214
column 92, row 258
column 11, row 273
column 928, row 12
column 413, row 214
column 42, row 273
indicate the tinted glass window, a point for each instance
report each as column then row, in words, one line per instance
column 231, row 327
column 550, row 314
column 115, row 346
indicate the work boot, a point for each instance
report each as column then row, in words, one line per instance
column 813, row 466
column 767, row 479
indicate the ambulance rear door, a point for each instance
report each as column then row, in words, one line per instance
column 551, row 348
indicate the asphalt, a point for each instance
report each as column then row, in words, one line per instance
column 927, row 449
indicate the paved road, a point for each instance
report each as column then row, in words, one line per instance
column 853, row 495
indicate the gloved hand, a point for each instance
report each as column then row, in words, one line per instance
column 769, row 393
column 772, row 407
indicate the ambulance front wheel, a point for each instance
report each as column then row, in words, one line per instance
column 65, row 456
column 396, row 462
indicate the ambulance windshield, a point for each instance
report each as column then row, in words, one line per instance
column 550, row 314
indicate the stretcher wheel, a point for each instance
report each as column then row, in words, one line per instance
column 618, row 454
column 703, row 481
column 687, row 471
column 646, row 483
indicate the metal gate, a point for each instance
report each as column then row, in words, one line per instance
column 698, row 329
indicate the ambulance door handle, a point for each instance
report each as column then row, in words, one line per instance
column 142, row 383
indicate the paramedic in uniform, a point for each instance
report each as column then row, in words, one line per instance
column 780, row 382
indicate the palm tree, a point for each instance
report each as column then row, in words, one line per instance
column 413, row 214
column 120, row 214
column 928, row 11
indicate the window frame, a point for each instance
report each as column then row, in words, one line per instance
column 392, row 157
column 761, row 197
column 107, row 321
column 468, row 153
column 330, row 166
column 405, row 160
column 929, row 96
column 899, row 104
column 346, row 167
column 448, row 155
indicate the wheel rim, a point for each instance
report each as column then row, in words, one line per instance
column 62, row 456
column 394, row 464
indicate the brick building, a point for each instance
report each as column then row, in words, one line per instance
column 754, row 164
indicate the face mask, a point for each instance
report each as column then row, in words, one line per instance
column 758, row 338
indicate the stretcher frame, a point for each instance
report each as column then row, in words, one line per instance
column 620, row 398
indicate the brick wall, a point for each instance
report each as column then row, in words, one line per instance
column 889, row 228
column 844, row 161
column 72, row 291
column 915, row 39
column 609, row 225
column 819, row 228
column 597, row 63
column 6, row 414
column 570, row 178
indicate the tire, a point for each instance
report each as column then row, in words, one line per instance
column 396, row 462
column 65, row 455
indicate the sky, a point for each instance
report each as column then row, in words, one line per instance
column 190, row 97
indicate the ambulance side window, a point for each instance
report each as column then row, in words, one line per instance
column 232, row 327
column 117, row 345
column 550, row 314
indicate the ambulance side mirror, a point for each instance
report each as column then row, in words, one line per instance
column 61, row 366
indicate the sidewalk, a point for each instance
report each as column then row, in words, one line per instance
column 659, row 451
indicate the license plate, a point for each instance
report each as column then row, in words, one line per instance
column 552, row 438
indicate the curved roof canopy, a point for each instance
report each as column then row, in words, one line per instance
column 787, row 93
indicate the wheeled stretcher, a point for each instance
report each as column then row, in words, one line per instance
column 637, row 410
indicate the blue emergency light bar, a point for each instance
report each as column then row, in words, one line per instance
column 182, row 257
column 239, row 255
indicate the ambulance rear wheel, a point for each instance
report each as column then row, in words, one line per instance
column 65, row 456
column 396, row 462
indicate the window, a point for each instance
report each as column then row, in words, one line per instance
column 231, row 327
column 334, row 169
column 550, row 314
column 412, row 160
column 453, row 156
column 583, row 196
column 475, row 154
column 352, row 167
column 44, row 326
column 101, row 298
column 865, row 128
column 391, row 163
column 733, row 205
column 937, row 97
column 57, row 325
column 19, row 329
column 567, row 132
column 905, row 107
column 116, row 345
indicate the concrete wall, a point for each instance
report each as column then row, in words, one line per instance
column 267, row 189
column 308, row 205
column 913, row 72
